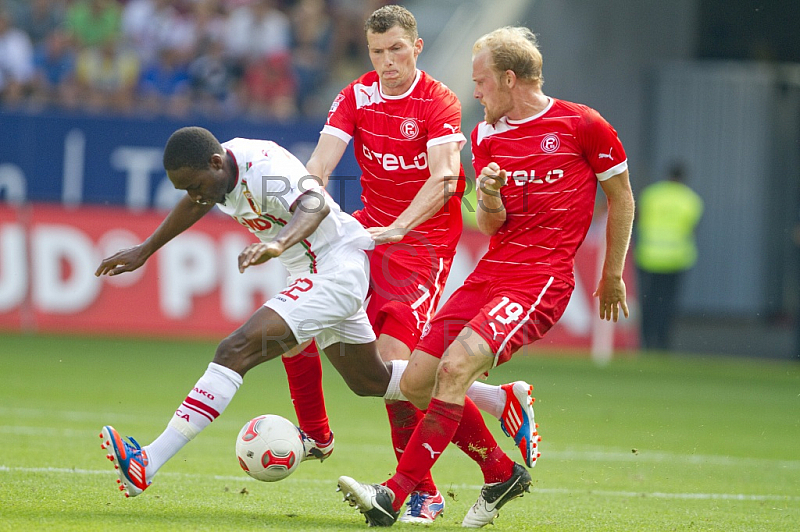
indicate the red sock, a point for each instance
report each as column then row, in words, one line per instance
column 473, row 437
column 424, row 447
column 304, row 372
column 403, row 419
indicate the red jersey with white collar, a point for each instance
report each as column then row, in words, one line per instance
column 391, row 137
column 554, row 161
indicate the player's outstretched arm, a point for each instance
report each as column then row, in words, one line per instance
column 182, row 216
column 490, row 213
column 444, row 163
column 308, row 212
column 611, row 288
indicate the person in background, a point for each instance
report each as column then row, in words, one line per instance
column 16, row 60
column 668, row 214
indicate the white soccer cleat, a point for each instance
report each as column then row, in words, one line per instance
column 315, row 450
column 372, row 500
column 495, row 496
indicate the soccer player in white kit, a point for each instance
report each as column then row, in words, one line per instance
column 268, row 191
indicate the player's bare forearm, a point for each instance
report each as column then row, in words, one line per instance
column 490, row 214
column 429, row 200
column 611, row 290
column 444, row 164
column 326, row 156
column 185, row 214
column 308, row 212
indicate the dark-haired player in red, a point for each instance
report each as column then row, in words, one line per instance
column 406, row 131
column 538, row 161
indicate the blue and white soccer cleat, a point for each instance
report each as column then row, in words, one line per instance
column 517, row 420
column 423, row 508
column 129, row 461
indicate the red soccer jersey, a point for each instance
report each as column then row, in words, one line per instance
column 391, row 136
column 553, row 161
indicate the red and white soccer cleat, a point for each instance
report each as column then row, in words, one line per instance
column 517, row 420
column 423, row 508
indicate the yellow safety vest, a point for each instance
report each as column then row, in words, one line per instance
column 668, row 213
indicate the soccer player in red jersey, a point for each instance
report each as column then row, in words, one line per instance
column 538, row 161
column 405, row 127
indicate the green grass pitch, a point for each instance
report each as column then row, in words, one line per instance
column 645, row 443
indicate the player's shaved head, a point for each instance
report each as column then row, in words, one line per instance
column 515, row 49
column 387, row 17
column 190, row 147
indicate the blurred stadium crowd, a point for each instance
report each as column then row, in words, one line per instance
column 255, row 59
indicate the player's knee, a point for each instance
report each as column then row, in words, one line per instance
column 452, row 373
column 232, row 352
column 366, row 387
column 418, row 395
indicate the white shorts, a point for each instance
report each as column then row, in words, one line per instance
column 327, row 306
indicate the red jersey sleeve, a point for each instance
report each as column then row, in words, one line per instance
column 444, row 119
column 341, row 120
column 601, row 145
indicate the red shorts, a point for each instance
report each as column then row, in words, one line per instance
column 406, row 284
column 506, row 313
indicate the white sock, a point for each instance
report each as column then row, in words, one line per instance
column 489, row 398
column 205, row 402
column 393, row 392
column 162, row 449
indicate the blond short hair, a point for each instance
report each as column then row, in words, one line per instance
column 513, row 48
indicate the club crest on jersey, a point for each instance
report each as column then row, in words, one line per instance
column 249, row 197
column 335, row 105
column 409, row 128
column 550, row 143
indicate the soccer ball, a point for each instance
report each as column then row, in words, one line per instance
column 269, row 448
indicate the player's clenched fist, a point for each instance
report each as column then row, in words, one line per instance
column 492, row 179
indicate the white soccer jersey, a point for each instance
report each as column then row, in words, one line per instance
column 269, row 181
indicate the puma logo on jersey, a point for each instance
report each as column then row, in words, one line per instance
column 430, row 450
column 606, row 155
column 366, row 95
column 495, row 331
column 454, row 129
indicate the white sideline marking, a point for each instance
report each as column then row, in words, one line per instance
column 557, row 491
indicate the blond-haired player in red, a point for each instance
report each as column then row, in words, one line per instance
column 539, row 161
column 406, row 131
